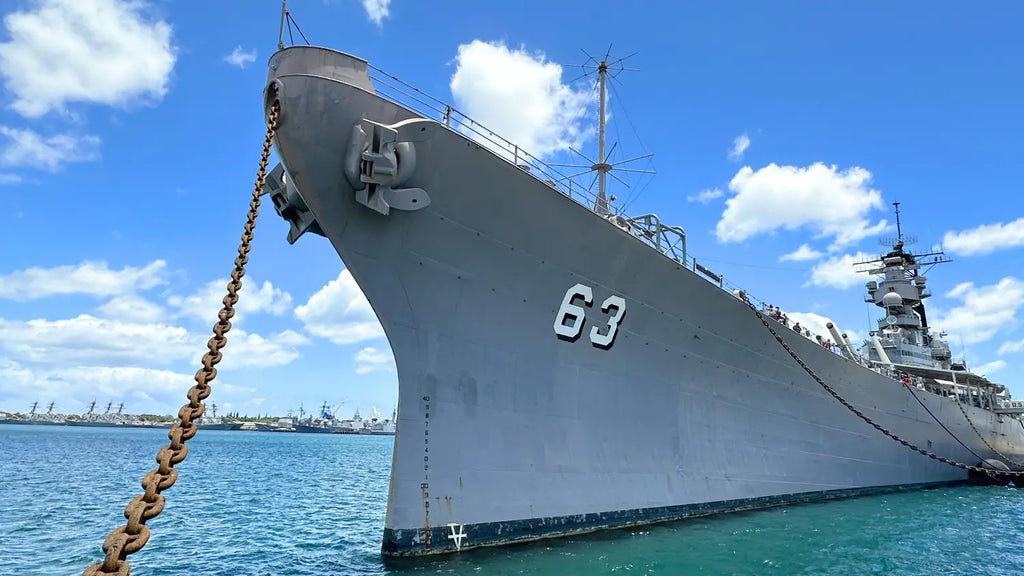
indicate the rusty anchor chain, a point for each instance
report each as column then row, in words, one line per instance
column 131, row 537
column 990, row 447
column 866, row 418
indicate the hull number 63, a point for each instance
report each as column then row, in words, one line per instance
column 571, row 317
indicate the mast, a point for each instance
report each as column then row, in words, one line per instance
column 280, row 34
column 899, row 230
column 602, row 166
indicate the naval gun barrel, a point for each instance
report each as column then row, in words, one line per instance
column 844, row 345
column 882, row 356
column 849, row 345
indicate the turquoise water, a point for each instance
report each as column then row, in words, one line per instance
column 298, row 504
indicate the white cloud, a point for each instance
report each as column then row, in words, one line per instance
column 818, row 325
column 989, row 367
column 377, row 10
column 739, row 147
column 827, row 201
column 705, row 196
column 245, row 350
column 121, row 355
column 520, row 96
column 370, row 359
column 802, row 254
column 74, row 387
column 95, row 341
column 253, row 403
column 1010, row 347
column 131, row 338
column 26, row 148
column 839, row 271
column 986, row 239
column 340, row 312
column 83, row 357
column 985, row 310
column 7, row 178
column 241, row 58
column 92, row 278
column 235, row 388
column 101, row 51
column 207, row 302
column 132, row 308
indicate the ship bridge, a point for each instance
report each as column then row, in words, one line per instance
column 903, row 336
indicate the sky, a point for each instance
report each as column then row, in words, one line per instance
column 782, row 132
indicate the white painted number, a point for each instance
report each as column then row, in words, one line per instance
column 570, row 317
column 605, row 340
column 573, row 313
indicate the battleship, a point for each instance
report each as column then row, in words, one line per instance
column 526, row 315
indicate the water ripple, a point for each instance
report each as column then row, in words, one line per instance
column 302, row 505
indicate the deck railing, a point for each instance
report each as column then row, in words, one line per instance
column 670, row 241
column 667, row 240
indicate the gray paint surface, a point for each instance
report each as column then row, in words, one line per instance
column 501, row 421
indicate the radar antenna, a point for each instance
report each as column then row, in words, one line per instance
column 899, row 239
column 604, row 67
column 899, row 230
column 910, row 261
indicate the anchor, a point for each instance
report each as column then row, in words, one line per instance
column 381, row 158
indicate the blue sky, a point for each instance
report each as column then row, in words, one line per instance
column 130, row 132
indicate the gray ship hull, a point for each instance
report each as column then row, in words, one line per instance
column 507, row 432
column 232, row 426
column 301, row 428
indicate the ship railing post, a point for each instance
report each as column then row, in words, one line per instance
column 448, row 115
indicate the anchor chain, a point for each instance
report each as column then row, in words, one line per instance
column 990, row 447
column 865, row 417
column 131, row 537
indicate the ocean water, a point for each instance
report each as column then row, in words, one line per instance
column 299, row 504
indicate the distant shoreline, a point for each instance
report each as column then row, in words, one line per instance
column 167, row 425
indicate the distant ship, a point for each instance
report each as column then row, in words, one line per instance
column 89, row 419
column 324, row 423
column 377, row 426
column 527, row 319
column 214, row 422
column 354, row 425
column 33, row 417
column 109, row 418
